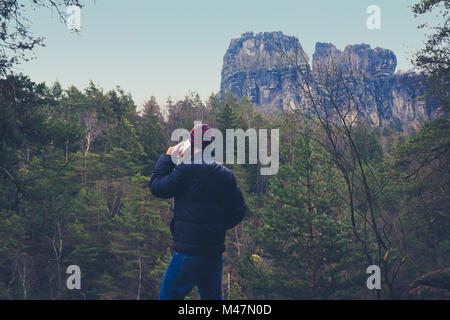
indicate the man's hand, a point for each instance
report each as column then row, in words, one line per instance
column 173, row 149
column 170, row 151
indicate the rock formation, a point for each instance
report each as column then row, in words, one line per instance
column 255, row 65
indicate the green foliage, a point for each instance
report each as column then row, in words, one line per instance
column 65, row 203
column 303, row 245
column 421, row 166
column 74, row 174
column 226, row 118
column 151, row 135
column 434, row 59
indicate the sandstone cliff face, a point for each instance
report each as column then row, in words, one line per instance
column 253, row 67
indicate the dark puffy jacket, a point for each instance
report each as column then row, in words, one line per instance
column 207, row 203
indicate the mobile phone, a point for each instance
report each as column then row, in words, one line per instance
column 184, row 146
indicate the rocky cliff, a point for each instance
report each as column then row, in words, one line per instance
column 255, row 65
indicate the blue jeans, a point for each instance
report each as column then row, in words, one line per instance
column 186, row 271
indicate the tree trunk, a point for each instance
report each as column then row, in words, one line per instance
column 140, row 280
column 67, row 141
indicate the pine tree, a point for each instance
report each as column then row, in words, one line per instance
column 151, row 135
column 299, row 235
column 226, row 118
column 139, row 239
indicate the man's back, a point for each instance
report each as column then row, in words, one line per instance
column 207, row 203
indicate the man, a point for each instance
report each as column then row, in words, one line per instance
column 207, row 203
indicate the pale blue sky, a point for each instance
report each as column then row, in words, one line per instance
column 170, row 48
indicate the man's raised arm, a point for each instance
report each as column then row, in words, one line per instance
column 167, row 179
